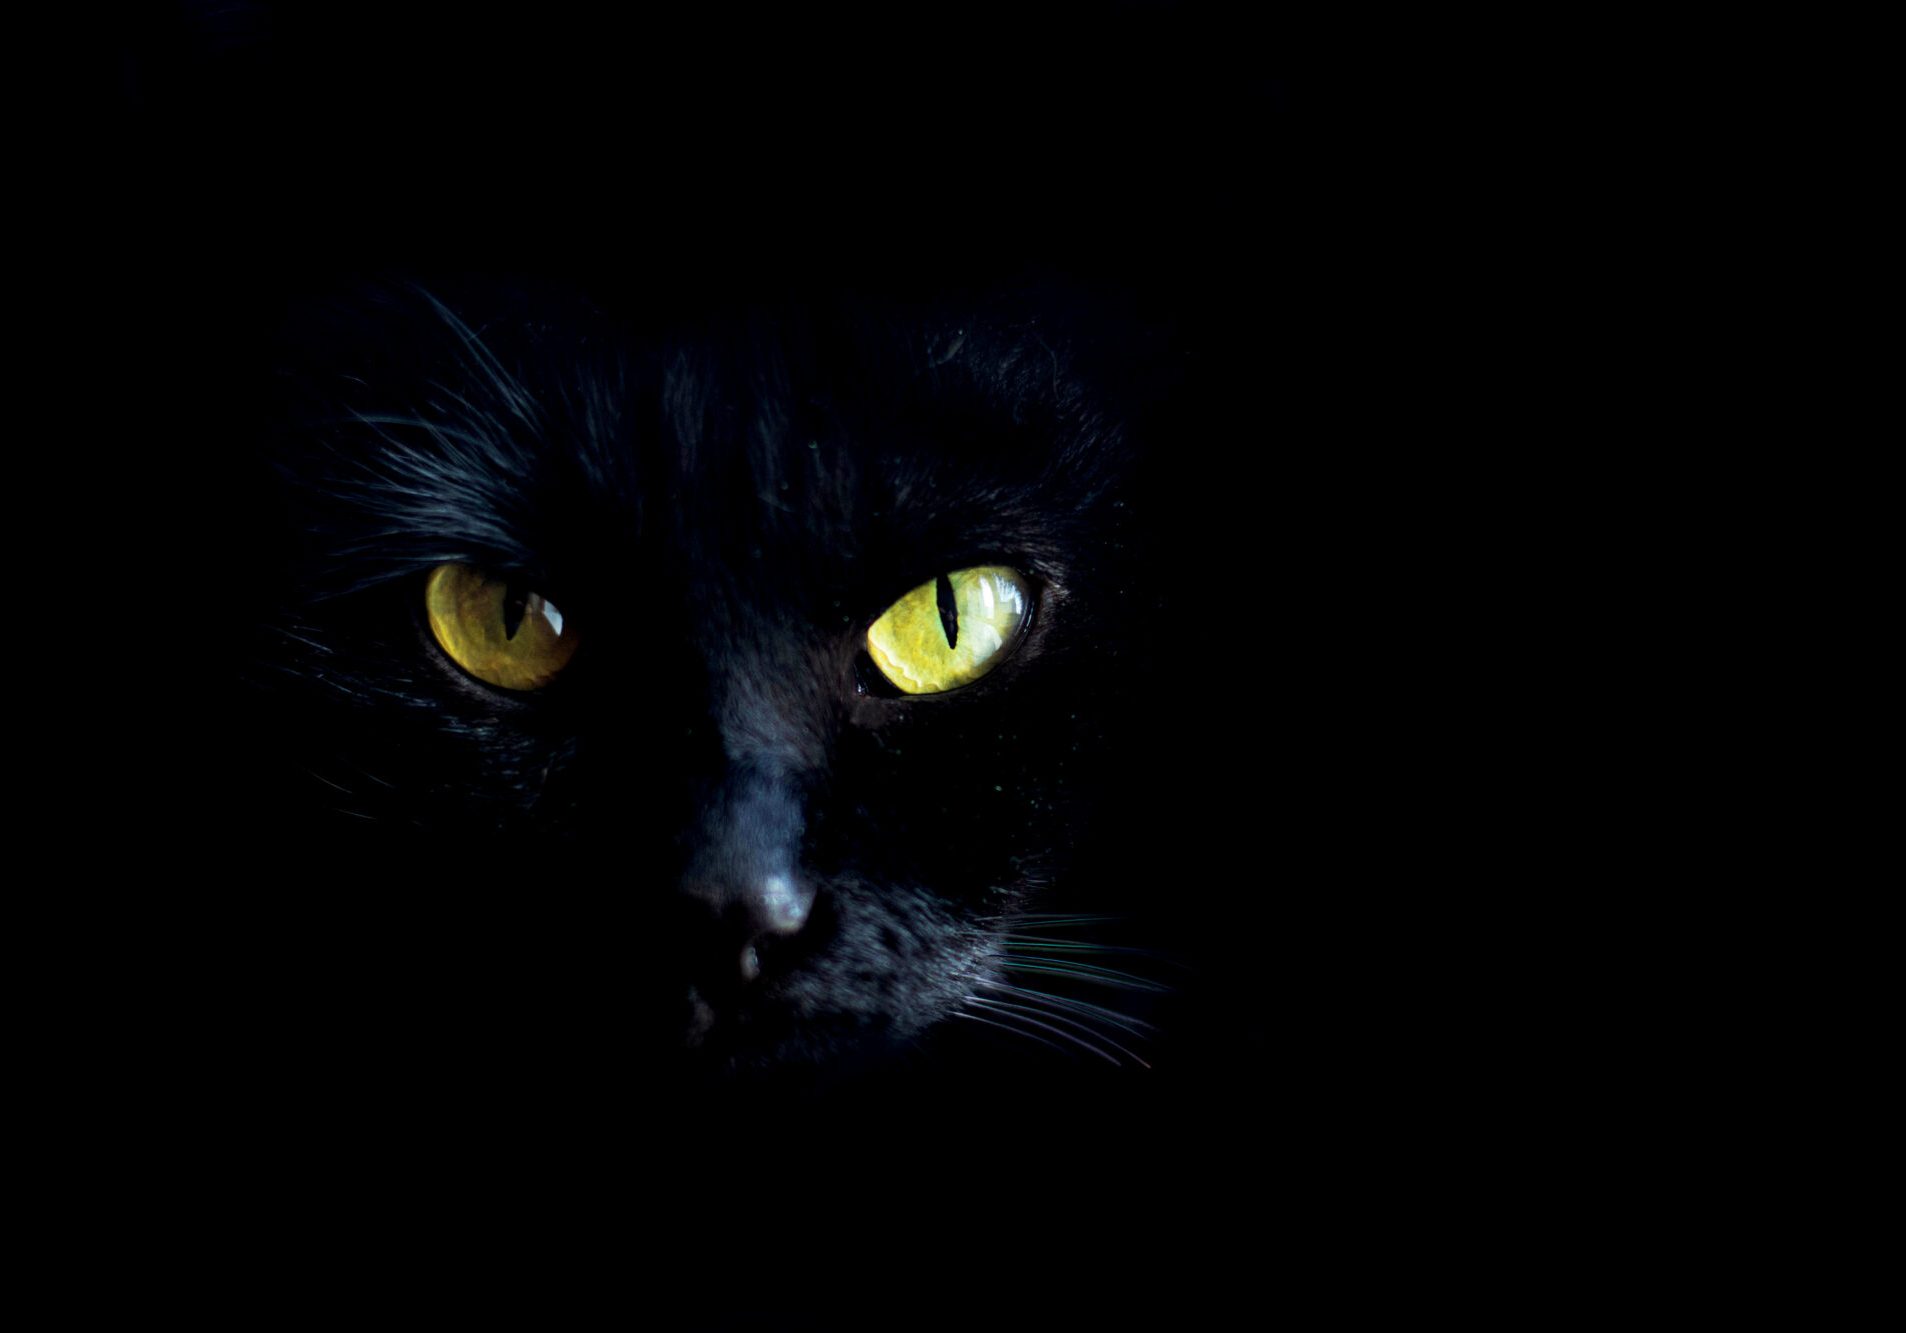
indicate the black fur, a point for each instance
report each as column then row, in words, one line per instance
column 721, row 514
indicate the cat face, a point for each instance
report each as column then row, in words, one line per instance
column 775, row 665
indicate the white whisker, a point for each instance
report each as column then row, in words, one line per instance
column 1026, row 1010
column 1057, row 1032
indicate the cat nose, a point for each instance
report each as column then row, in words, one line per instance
column 779, row 905
column 745, row 866
column 758, row 906
column 751, row 916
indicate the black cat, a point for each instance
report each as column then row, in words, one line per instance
column 782, row 661
column 528, row 781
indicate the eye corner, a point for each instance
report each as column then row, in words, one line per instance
column 870, row 682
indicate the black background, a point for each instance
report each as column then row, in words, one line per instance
column 1164, row 154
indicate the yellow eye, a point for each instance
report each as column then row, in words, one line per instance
column 950, row 631
column 503, row 637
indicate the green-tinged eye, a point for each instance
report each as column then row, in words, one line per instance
column 951, row 631
column 503, row 635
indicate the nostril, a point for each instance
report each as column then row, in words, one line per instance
column 780, row 910
column 805, row 925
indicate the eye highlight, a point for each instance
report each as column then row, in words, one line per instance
column 952, row 630
column 501, row 633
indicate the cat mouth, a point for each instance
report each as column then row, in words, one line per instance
column 764, row 1031
column 729, row 1030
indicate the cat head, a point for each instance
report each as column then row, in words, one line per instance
column 648, row 640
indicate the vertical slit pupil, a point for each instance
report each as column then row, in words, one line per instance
column 949, row 613
column 515, row 601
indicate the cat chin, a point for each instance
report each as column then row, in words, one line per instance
column 776, row 1030
column 761, row 1046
